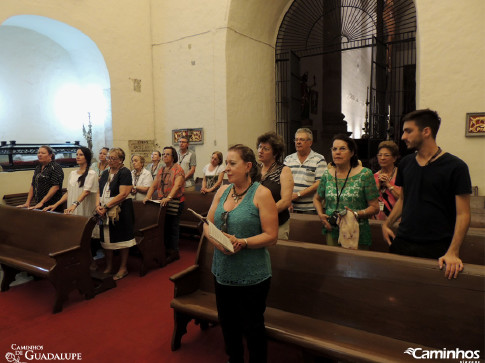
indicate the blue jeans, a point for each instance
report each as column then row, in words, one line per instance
column 172, row 229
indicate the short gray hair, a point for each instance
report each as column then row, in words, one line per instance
column 306, row 131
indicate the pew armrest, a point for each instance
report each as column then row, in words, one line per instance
column 62, row 252
column 147, row 228
column 186, row 281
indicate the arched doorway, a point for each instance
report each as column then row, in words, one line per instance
column 346, row 66
column 53, row 81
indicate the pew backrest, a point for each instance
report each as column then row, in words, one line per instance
column 16, row 229
column 146, row 214
column 396, row 296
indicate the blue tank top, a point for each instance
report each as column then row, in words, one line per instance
column 248, row 266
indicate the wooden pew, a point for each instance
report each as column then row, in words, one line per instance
column 358, row 306
column 48, row 245
column 201, row 204
column 20, row 198
column 149, row 225
column 308, row 228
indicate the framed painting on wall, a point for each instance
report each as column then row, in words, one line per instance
column 196, row 136
column 475, row 124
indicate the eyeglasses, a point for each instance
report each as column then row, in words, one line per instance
column 301, row 140
column 264, row 148
column 112, row 159
column 341, row 149
column 383, row 155
column 224, row 216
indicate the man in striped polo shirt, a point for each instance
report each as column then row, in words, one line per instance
column 307, row 168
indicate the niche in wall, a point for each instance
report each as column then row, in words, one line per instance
column 53, row 80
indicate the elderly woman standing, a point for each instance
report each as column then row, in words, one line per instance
column 142, row 178
column 276, row 177
column 170, row 182
column 116, row 209
column 46, row 186
column 247, row 212
column 213, row 174
column 387, row 154
column 348, row 186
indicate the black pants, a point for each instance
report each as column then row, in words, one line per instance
column 241, row 313
column 433, row 250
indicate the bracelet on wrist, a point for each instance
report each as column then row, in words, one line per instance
column 76, row 203
column 246, row 241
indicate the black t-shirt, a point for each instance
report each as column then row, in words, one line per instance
column 44, row 179
column 122, row 177
column 272, row 182
column 429, row 209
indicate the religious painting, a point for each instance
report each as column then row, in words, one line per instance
column 475, row 124
column 196, row 136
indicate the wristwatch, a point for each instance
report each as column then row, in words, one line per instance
column 299, row 195
column 356, row 214
column 76, row 203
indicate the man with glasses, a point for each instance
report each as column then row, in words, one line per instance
column 307, row 168
column 188, row 162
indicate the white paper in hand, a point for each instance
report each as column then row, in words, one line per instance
column 220, row 237
column 215, row 233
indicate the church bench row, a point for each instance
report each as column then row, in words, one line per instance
column 349, row 305
column 48, row 245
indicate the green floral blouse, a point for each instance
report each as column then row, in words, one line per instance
column 359, row 189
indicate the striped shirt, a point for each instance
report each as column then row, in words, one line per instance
column 305, row 175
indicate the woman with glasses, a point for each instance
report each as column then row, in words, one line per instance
column 276, row 177
column 387, row 154
column 246, row 212
column 169, row 183
column 116, row 210
column 142, row 178
column 213, row 174
column 346, row 188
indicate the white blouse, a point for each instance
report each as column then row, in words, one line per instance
column 144, row 180
column 88, row 205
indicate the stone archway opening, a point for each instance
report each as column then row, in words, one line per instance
column 346, row 66
column 53, row 81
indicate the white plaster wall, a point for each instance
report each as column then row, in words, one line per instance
column 250, row 88
column 451, row 74
column 189, row 70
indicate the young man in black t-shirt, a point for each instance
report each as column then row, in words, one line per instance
column 435, row 200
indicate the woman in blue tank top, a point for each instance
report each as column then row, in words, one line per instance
column 247, row 213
